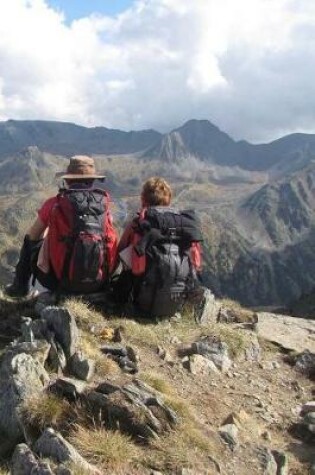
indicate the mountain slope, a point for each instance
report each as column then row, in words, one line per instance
column 68, row 139
column 203, row 140
column 29, row 170
column 285, row 209
column 261, row 250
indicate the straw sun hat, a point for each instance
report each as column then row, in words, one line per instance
column 80, row 167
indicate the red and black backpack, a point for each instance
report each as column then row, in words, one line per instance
column 82, row 239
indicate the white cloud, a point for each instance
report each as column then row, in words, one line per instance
column 248, row 65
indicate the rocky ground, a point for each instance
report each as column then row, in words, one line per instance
column 83, row 391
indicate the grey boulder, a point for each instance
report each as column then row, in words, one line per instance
column 60, row 321
column 135, row 408
column 22, row 377
column 51, row 444
column 24, row 462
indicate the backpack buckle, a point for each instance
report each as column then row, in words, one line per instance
column 172, row 232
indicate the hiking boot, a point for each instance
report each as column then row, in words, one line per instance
column 20, row 286
column 17, row 290
column 205, row 307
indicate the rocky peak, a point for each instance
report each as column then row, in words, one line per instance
column 196, row 138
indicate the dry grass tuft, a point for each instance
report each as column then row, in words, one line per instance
column 149, row 334
column 46, row 410
column 196, row 438
column 179, row 405
column 143, row 334
column 242, row 314
column 103, row 365
column 108, row 449
column 156, row 382
column 230, row 303
column 77, row 469
column 85, row 315
column 185, row 447
column 235, row 339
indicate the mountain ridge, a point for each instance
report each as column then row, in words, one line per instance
column 67, row 138
column 197, row 139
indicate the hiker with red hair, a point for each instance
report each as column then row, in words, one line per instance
column 160, row 251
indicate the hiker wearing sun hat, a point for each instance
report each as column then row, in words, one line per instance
column 71, row 246
column 80, row 167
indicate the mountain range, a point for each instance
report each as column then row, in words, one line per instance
column 256, row 201
column 70, row 139
column 196, row 138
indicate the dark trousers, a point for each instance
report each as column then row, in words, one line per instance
column 49, row 280
column 122, row 287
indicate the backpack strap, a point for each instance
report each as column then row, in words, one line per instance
column 148, row 240
column 166, row 225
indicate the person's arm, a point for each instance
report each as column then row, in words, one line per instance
column 126, row 237
column 196, row 255
column 37, row 230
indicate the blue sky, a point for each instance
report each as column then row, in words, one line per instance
column 74, row 9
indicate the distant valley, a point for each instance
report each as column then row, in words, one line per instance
column 256, row 202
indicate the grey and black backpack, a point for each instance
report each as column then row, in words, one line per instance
column 166, row 238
